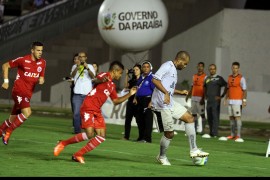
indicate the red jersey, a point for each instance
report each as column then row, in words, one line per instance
column 99, row 94
column 28, row 74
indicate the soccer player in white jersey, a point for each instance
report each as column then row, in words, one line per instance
column 167, row 110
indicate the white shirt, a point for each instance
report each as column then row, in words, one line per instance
column 83, row 84
column 167, row 74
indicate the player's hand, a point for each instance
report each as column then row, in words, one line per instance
column 105, row 79
column 41, row 81
column 184, row 92
column 5, row 86
column 167, row 98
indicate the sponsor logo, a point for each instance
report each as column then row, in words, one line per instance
column 30, row 74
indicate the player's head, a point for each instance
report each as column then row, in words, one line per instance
column 200, row 66
column 235, row 67
column 36, row 50
column 181, row 60
column 212, row 69
column 116, row 69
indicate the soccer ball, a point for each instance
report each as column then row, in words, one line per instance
column 200, row 161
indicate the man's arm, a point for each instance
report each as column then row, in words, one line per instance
column 121, row 99
column 160, row 87
column 5, row 68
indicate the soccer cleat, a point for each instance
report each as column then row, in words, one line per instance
column 5, row 137
column 79, row 159
column 58, row 148
column 230, row 137
column 198, row 153
column 163, row 161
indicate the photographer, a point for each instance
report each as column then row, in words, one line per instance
column 131, row 108
column 82, row 73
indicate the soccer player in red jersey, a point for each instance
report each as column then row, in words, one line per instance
column 30, row 71
column 92, row 120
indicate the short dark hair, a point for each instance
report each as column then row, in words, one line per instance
column 183, row 55
column 236, row 63
column 202, row 63
column 115, row 65
column 36, row 43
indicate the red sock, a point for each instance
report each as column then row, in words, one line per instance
column 4, row 125
column 75, row 139
column 92, row 144
column 20, row 118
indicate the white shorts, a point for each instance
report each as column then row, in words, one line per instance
column 234, row 110
column 164, row 118
column 197, row 108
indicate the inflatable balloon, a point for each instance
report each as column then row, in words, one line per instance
column 132, row 25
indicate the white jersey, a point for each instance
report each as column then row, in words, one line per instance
column 83, row 84
column 167, row 74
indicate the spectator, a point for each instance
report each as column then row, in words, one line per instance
column 236, row 98
column 38, row 4
column 131, row 108
column 197, row 96
column 212, row 92
column 82, row 73
column 142, row 99
column 75, row 61
column 96, row 67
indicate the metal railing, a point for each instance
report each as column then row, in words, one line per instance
column 41, row 17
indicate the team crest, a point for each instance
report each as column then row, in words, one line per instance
column 39, row 69
column 108, row 21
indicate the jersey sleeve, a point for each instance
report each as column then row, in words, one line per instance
column 164, row 68
column 42, row 73
column 15, row 62
column 114, row 95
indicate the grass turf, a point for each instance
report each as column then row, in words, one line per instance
column 30, row 154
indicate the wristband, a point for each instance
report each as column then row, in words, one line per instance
column 244, row 100
column 6, row 81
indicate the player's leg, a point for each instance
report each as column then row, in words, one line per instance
column 22, row 111
column 237, row 111
column 99, row 127
column 164, row 122
column 183, row 114
column 61, row 144
column 232, row 122
column 6, row 124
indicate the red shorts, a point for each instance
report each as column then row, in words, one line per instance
column 20, row 102
column 92, row 119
